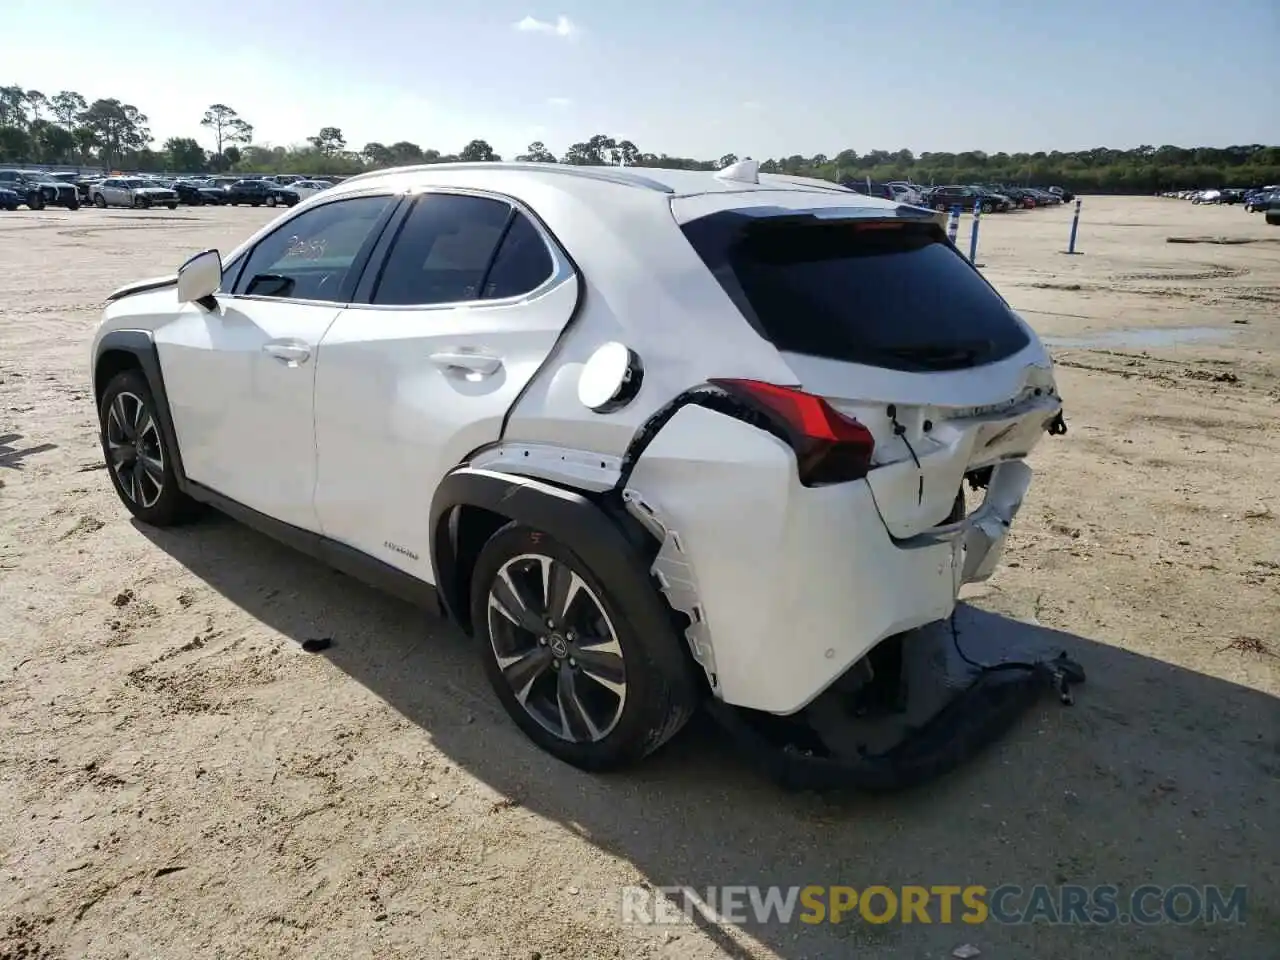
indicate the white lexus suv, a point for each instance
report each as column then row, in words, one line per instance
column 656, row 438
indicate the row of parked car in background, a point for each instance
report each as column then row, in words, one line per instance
column 37, row 189
column 1264, row 200
column 987, row 198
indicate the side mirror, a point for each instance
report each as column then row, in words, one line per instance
column 199, row 278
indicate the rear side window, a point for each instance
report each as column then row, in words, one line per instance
column 443, row 250
column 883, row 293
column 523, row 262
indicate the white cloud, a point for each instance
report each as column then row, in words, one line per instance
column 563, row 26
column 559, row 102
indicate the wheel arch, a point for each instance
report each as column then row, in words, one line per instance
column 471, row 504
column 121, row 350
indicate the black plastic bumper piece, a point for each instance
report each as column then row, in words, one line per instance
column 974, row 719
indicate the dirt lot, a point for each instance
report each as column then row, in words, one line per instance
column 179, row 779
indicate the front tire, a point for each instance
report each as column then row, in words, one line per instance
column 172, row 206
column 35, row 201
column 100, row 201
column 138, row 459
column 987, row 207
column 564, row 659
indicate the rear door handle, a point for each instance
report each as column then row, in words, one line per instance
column 481, row 363
column 291, row 353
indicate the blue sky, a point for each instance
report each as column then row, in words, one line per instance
column 687, row 77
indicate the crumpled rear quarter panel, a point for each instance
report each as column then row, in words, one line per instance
column 796, row 583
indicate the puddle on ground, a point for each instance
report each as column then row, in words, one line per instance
column 1145, row 337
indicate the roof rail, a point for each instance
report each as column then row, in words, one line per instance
column 627, row 177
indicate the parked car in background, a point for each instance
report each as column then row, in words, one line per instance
column 968, row 198
column 198, row 193
column 251, row 192
column 133, row 192
column 1206, row 196
column 1066, row 195
column 1263, row 200
column 296, row 192
column 1022, row 198
column 39, row 191
column 872, row 188
column 10, row 199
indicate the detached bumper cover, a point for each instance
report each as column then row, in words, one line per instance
column 956, row 707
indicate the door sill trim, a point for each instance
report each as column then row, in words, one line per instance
column 346, row 559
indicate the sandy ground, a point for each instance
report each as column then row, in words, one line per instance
column 178, row 779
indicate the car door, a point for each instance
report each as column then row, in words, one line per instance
column 421, row 371
column 240, row 377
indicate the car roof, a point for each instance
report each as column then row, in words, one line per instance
column 570, row 177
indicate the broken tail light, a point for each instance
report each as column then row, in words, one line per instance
column 829, row 447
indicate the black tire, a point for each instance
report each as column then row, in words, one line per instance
column 172, row 206
column 35, row 200
column 271, row 201
column 74, row 204
column 659, row 696
column 986, row 206
column 128, row 410
column 100, row 201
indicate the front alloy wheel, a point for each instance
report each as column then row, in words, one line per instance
column 557, row 648
column 135, row 452
column 137, row 458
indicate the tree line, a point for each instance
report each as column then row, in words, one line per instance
column 66, row 128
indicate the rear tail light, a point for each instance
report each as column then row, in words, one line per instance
column 829, row 447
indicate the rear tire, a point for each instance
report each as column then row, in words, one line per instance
column 138, row 459
column 986, row 207
column 100, row 201
column 35, row 200
column 172, row 206
column 598, row 705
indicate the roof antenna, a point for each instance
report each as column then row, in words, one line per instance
column 744, row 171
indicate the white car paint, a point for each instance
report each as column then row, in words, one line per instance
column 349, row 430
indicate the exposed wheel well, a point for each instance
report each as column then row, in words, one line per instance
column 111, row 363
column 470, row 528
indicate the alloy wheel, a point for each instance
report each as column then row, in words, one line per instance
column 557, row 648
column 134, row 451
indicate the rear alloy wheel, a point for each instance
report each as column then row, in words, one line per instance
column 271, row 201
column 565, row 660
column 136, row 454
column 986, row 206
column 100, row 201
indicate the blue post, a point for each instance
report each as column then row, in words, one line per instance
column 1075, row 225
column 973, row 234
column 953, row 225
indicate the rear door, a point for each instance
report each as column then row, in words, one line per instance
column 421, row 371
column 891, row 325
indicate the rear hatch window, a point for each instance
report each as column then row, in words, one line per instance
column 887, row 293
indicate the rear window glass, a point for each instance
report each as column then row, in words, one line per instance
column 898, row 297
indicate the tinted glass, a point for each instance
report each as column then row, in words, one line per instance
column 523, row 262
column 310, row 257
column 443, row 250
column 898, row 297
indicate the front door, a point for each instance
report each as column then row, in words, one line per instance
column 470, row 301
column 241, row 377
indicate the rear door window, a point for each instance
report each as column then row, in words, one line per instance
column 890, row 294
column 443, row 251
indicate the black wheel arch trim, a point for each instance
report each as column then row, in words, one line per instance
column 602, row 541
column 142, row 347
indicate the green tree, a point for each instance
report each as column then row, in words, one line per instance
column 329, row 141
column 15, row 144
column 537, row 152
column 67, row 107
column 477, row 150
column 227, row 126
column 184, row 154
column 13, row 107
column 118, row 127
column 57, row 144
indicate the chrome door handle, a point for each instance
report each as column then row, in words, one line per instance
column 288, row 353
column 481, row 363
